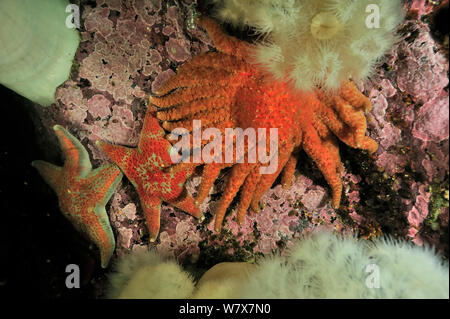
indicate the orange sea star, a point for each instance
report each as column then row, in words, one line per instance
column 144, row 167
column 83, row 192
column 224, row 90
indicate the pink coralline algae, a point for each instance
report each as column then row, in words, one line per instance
column 419, row 8
column 180, row 237
column 99, row 106
column 286, row 215
column 411, row 120
column 432, row 119
column 130, row 48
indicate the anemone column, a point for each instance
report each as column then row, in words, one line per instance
column 38, row 47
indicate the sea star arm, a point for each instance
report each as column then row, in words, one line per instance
column 209, row 175
column 103, row 181
column 343, row 131
column 203, row 76
column 186, row 203
column 151, row 205
column 288, row 171
column 332, row 146
column 236, row 179
column 218, row 116
column 211, row 171
column 325, row 160
column 152, row 140
column 369, row 144
column 351, row 93
column 189, row 94
column 151, row 130
column 343, row 113
column 49, row 172
column 100, row 233
column 247, row 191
column 222, row 41
column 75, row 155
column 194, row 107
column 354, row 118
column 118, row 154
column 217, row 61
column 266, row 180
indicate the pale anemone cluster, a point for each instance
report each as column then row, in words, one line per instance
column 322, row 265
column 326, row 266
column 317, row 43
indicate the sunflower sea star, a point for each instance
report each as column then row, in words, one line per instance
column 224, row 90
column 83, row 192
column 144, row 167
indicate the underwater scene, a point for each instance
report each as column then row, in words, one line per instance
column 224, row 149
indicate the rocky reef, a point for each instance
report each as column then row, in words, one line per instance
column 129, row 48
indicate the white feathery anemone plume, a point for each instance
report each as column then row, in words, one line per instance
column 147, row 275
column 322, row 265
column 317, row 43
column 328, row 266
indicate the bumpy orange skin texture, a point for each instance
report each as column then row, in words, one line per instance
column 222, row 89
column 83, row 192
column 145, row 167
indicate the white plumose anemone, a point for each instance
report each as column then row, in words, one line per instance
column 318, row 266
column 317, row 43
column 329, row 266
